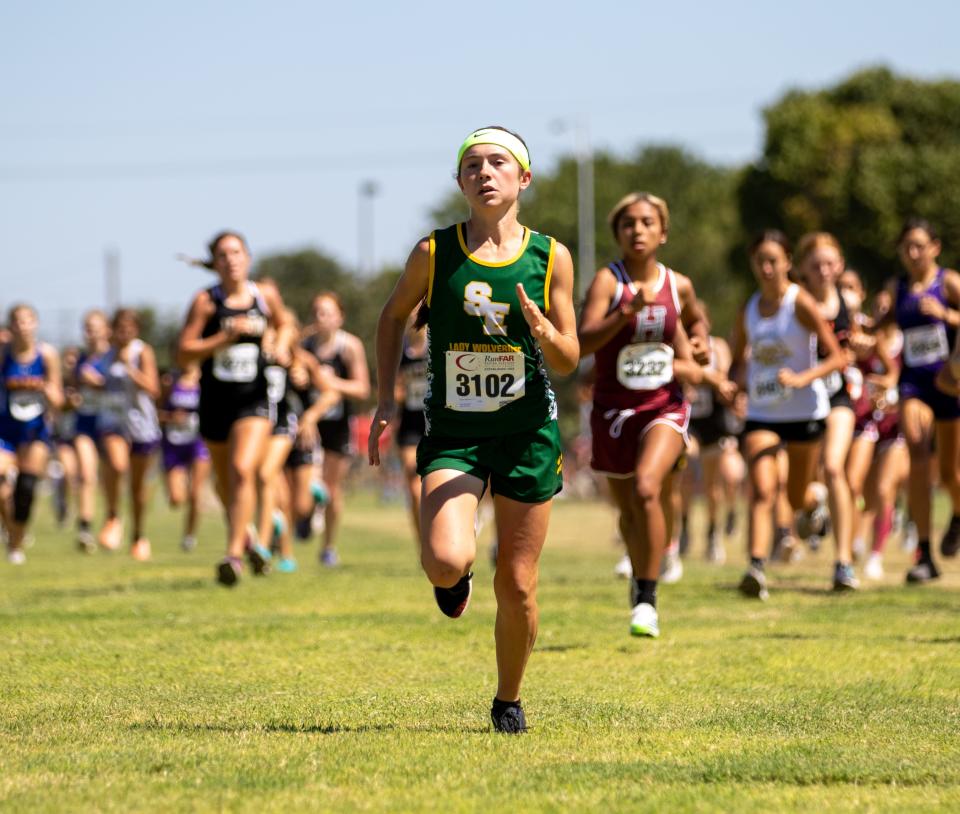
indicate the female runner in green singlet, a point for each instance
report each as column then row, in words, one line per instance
column 498, row 308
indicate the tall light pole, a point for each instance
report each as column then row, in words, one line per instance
column 583, row 152
column 586, row 229
column 111, row 278
column 365, row 232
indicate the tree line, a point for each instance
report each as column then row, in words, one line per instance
column 854, row 159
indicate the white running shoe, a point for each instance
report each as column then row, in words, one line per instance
column 188, row 543
column 671, row 569
column 318, row 521
column 15, row 556
column 716, row 553
column 86, row 542
column 910, row 537
column 644, row 621
column 623, row 568
column 873, row 569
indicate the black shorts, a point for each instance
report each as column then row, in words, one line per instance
column 790, row 432
column 215, row 423
column 841, row 399
column 411, row 428
column 285, row 423
column 299, row 457
column 708, row 431
column 335, row 436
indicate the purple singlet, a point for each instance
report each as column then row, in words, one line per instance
column 927, row 343
column 182, row 444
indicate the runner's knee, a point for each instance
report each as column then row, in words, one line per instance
column 444, row 568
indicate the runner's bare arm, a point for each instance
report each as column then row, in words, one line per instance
column 356, row 384
column 808, row 315
column 192, row 347
column 686, row 369
column 692, row 318
column 598, row 324
column 555, row 331
column 410, row 289
column 738, row 350
column 53, row 381
column 146, row 377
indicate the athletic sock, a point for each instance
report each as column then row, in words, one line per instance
column 923, row 551
column 882, row 524
column 780, row 532
column 756, row 562
column 83, row 525
column 644, row 590
column 500, row 707
column 711, row 529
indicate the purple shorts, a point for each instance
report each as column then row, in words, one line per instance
column 143, row 447
column 184, row 455
column 945, row 408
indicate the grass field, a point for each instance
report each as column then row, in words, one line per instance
column 131, row 686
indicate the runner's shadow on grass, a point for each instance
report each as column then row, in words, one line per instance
column 558, row 648
column 182, row 727
column 137, row 587
column 930, row 639
column 782, row 588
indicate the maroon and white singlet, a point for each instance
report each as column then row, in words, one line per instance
column 635, row 388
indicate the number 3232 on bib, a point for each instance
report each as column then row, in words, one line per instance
column 483, row 382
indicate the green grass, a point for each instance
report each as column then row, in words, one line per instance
column 130, row 686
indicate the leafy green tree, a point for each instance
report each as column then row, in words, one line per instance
column 856, row 160
column 301, row 275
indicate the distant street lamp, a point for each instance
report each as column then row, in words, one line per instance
column 365, row 232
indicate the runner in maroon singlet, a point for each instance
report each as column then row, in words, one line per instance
column 631, row 321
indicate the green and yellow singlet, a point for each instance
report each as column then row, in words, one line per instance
column 485, row 372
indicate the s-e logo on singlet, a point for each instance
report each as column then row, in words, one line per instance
column 477, row 303
column 651, row 322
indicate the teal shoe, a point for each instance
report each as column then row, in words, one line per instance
column 286, row 565
column 320, row 495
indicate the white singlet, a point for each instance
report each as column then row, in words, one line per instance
column 778, row 342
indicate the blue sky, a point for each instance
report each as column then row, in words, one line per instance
column 149, row 128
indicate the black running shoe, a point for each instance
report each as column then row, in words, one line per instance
column 453, row 601
column 302, row 530
column 754, row 584
column 684, row 539
column 259, row 558
column 950, row 543
column 508, row 718
column 923, row 571
column 229, row 570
